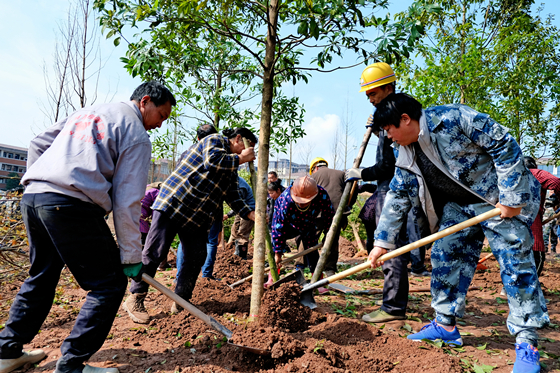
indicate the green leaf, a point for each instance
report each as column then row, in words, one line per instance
column 188, row 344
column 303, row 28
column 407, row 327
column 483, row 368
column 482, row 347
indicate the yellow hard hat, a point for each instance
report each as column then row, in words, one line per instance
column 376, row 75
column 314, row 162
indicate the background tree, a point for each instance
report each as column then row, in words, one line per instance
column 12, row 180
column 73, row 80
column 274, row 35
column 497, row 57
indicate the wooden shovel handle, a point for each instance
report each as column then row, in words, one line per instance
column 411, row 246
column 287, row 260
column 210, row 321
column 555, row 216
column 485, row 258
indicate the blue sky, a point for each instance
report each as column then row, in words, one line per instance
column 28, row 44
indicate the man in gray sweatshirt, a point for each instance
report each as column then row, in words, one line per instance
column 91, row 163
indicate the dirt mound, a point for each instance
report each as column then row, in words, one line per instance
column 281, row 308
column 346, row 249
column 217, row 297
column 229, row 267
column 272, row 339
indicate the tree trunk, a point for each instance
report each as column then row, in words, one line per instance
column 217, row 94
column 264, row 150
column 290, row 165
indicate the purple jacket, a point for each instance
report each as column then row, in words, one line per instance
column 147, row 202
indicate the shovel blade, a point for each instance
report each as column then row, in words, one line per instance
column 307, row 298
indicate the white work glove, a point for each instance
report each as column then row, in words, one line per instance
column 369, row 121
column 353, row 174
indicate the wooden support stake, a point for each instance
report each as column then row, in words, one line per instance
column 335, row 226
column 357, row 236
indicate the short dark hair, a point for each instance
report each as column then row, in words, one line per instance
column 159, row 94
column 530, row 162
column 205, row 130
column 230, row 133
column 391, row 108
column 274, row 186
column 273, row 173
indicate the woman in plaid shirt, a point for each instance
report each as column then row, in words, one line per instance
column 188, row 202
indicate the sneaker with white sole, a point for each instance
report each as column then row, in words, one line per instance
column 434, row 332
column 527, row 359
column 33, row 356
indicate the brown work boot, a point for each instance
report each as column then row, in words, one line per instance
column 134, row 305
column 176, row 308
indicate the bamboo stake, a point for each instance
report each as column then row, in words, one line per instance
column 335, row 226
column 555, row 216
column 357, row 236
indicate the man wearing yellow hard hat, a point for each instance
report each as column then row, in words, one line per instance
column 378, row 81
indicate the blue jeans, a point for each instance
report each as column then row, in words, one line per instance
column 66, row 231
column 211, row 248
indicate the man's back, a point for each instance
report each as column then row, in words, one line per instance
column 332, row 181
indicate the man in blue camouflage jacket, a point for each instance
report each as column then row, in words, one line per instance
column 454, row 163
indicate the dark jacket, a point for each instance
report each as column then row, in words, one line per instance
column 332, row 181
column 384, row 167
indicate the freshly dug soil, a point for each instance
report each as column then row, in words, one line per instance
column 281, row 308
column 334, row 339
column 346, row 249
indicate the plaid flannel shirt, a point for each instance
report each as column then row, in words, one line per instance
column 196, row 190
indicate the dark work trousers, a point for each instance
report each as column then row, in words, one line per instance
column 193, row 241
column 395, row 286
column 540, row 257
column 64, row 230
column 310, row 260
column 417, row 256
column 332, row 259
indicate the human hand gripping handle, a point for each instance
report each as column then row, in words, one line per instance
column 369, row 121
column 353, row 174
column 374, row 255
column 134, row 271
column 508, row 212
column 247, row 155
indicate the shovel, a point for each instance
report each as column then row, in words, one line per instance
column 209, row 320
column 287, row 260
column 482, row 267
column 393, row 254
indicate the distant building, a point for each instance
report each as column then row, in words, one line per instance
column 282, row 168
column 13, row 159
column 543, row 164
column 159, row 170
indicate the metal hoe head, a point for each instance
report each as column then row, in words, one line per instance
column 307, row 298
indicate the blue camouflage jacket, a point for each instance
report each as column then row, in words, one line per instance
column 470, row 148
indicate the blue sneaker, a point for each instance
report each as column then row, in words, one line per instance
column 527, row 360
column 434, row 332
